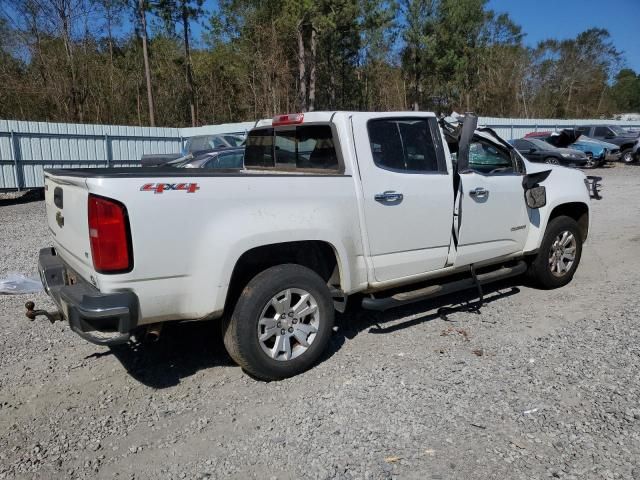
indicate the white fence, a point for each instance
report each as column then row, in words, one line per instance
column 27, row 148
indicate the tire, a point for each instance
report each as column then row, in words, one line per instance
column 591, row 162
column 552, row 161
column 543, row 270
column 253, row 333
column 627, row 156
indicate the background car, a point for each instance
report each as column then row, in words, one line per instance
column 220, row 158
column 537, row 150
column 195, row 146
column 626, row 140
column 204, row 143
column 597, row 152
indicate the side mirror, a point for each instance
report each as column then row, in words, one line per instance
column 533, row 150
column 609, row 135
column 536, row 197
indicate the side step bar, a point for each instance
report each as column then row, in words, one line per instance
column 432, row 291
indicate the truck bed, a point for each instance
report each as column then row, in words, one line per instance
column 156, row 172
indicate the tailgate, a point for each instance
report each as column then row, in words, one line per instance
column 66, row 204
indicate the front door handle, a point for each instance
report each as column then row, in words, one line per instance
column 479, row 192
column 389, row 196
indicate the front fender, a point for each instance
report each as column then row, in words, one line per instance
column 564, row 185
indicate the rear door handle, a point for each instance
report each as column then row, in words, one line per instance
column 389, row 196
column 479, row 192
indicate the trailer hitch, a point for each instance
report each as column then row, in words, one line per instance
column 31, row 314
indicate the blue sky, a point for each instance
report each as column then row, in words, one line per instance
column 570, row 17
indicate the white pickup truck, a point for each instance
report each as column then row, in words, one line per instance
column 393, row 206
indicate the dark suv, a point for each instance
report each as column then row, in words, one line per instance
column 613, row 134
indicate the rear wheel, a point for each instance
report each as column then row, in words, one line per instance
column 559, row 254
column 591, row 162
column 281, row 323
column 627, row 155
column 552, row 161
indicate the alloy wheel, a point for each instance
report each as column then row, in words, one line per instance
column 562, row 254
column 288, row 324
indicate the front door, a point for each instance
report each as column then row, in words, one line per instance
column 493, row 215
column 407, row 193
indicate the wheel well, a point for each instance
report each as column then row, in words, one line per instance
column 626, row 146
column 316, row 255
column 578, row 211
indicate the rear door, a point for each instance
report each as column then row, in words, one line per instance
column 493, row 215
column 408, row 193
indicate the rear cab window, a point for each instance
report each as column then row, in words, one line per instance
column 304, row 148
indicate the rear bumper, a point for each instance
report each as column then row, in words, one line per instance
column 100, row 318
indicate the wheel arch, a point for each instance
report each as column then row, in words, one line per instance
column 579, row 211
column 318, row 255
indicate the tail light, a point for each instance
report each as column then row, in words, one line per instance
column 109, row 235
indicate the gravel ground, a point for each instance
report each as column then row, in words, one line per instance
column 538, row 384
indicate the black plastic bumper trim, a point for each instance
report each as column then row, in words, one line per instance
column 87, row 310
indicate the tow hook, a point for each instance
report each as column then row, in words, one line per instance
column 32, row 314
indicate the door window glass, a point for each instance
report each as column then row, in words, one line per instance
column 601, row 131
column 487, row 158
column 522, row 144
column 404, row 145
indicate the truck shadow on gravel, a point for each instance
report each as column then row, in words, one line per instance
column 181, row 351
column 443, row 308
column 184, row 349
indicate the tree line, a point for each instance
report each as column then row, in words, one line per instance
column 138, row 62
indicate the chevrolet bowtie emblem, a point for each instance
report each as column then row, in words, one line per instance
column 59, row 219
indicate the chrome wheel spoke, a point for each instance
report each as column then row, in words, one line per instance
column 282, row 344
column 306, row 328
column 566, row 238
column 301, row 337
column 288, row 324
column 561, row 266
column 301, row 303
column 270, row 327
column 308, row 310
column 282, row 304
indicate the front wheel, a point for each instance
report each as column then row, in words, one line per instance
column 552, row 161
column 559, row 254
column 281, row 323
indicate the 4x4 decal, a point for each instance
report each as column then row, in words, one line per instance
column 161, row 187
